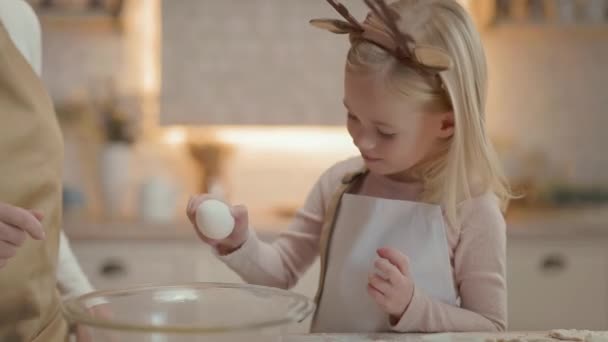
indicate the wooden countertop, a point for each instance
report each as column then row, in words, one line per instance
column 446, row 337
column 522, row 223
column 266, row 226
column 590, row 221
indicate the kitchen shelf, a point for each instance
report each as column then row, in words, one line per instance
column 90, row 20
column 538, row 13
column 102, row 17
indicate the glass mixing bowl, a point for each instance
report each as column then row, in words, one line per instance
column 187, row 312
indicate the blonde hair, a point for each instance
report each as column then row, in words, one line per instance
column 470, row 165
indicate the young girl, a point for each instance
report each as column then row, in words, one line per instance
column 411, row 234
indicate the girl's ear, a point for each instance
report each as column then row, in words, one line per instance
column 446, row 125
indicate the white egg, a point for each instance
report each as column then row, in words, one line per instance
column 214, row 219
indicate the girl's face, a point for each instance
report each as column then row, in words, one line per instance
column 391, row 133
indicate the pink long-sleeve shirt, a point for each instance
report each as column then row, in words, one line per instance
column 477, row 249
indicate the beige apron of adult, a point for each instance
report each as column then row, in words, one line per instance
column 31, row 161
column 356, row 227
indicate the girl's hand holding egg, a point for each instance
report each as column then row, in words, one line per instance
column 218, row 224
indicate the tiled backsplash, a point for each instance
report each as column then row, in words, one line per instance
column 82, row 54
column 546, row 94
column 279, row 170
column 79, row 60
column 252, row 62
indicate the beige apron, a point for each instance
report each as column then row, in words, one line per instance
column 31, row 154
column 356, row 227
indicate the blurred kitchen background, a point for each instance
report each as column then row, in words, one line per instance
column 161, row 99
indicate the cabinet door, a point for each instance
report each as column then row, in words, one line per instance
column 307, row 285
column 557, row 284
column 119, row 264
column 208, row 268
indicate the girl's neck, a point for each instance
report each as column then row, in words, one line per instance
column 407, row 176
column 418, row 172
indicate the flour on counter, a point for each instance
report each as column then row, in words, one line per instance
column 579, row 335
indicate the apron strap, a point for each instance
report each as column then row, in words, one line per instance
column 328, row 224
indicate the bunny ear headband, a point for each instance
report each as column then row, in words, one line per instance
column 401, row 45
